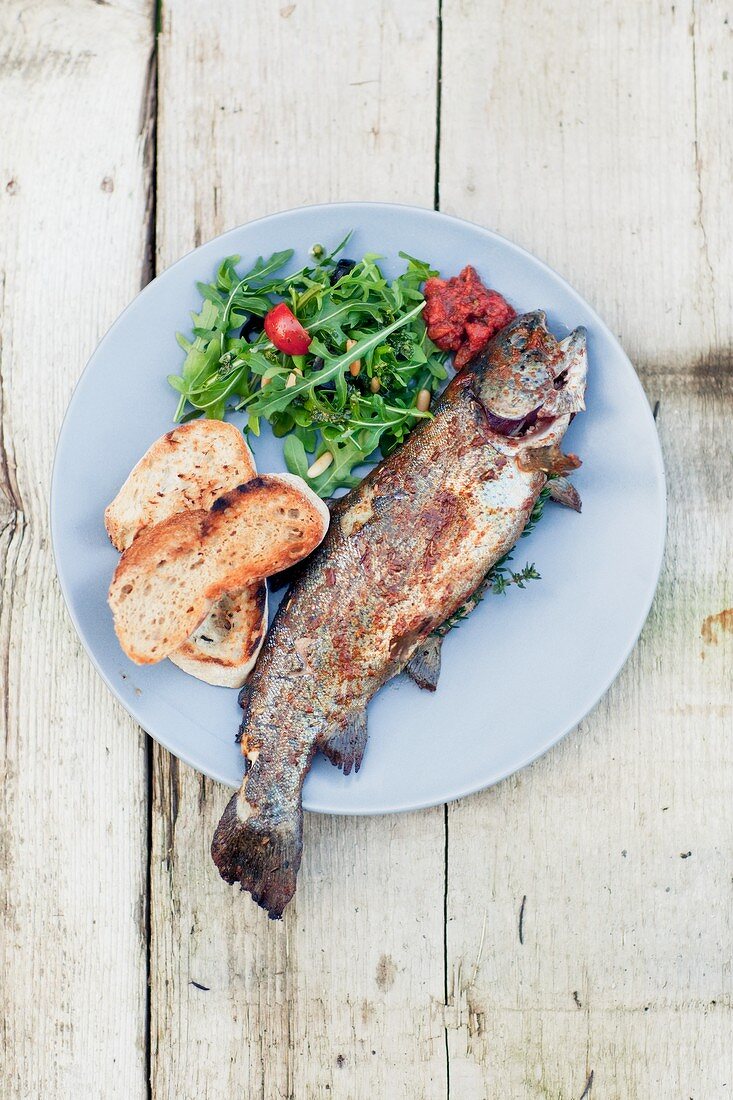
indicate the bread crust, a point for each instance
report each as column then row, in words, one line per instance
column 172, row 573
column 224, row 647
column 186, row 469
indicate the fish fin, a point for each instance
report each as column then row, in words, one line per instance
column 261, row 856
column 550, row 459
column 423, row 668
column 562, row 492
column 244, row 699
column 345, row 746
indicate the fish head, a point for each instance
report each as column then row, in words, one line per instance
column 526, row 379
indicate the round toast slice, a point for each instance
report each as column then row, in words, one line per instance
column 172, row 573
column 224, row 648
column 185, row 469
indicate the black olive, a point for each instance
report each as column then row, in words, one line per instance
column 343, row 267
column 251, row 328
column 316, row 366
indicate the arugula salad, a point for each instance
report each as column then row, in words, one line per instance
column 336, row 358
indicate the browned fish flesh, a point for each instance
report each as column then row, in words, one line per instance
column 404, row 550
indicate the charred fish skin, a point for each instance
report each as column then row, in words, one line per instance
column 405, row 549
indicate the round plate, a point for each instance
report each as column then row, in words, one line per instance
column 523, row 669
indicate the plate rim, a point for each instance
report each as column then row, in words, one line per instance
column 464, row 790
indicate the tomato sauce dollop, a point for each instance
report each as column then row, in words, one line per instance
column 462, row 315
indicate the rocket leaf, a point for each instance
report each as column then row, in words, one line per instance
column 354, row 314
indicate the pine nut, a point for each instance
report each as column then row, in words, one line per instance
column 320, row 464
column 265, row 382
column 292, row 379
column 423, row 401
column 375, row 385
column 354, row 367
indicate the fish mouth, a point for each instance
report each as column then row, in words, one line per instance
column 565, row 364
column 516, row 429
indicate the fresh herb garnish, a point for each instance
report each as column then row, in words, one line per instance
column 502, row 578
column 355, row 315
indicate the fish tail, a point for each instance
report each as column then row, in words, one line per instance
column 263, row 857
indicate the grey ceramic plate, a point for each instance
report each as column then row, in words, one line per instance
column 523, row 670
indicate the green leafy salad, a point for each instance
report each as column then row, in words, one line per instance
column 335, row 357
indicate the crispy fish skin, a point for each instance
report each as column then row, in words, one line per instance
column 405, row 549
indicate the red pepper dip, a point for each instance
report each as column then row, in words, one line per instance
column 462, row 315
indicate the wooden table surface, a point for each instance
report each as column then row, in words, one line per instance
column 596, row 134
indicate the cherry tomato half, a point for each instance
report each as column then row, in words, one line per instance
column 286, row 331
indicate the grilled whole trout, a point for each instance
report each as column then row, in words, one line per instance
column 404, row 550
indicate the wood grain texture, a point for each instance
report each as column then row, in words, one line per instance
column 75, row 89
column 588, row 900
column 615, row 848
column 265, row 107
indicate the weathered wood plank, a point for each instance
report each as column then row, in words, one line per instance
column 595, row 138
column 75, row 89
column 261, row 108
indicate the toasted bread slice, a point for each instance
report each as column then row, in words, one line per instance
column 224, row 648
column 189, row 468
column 173, row 572
column 186, row 469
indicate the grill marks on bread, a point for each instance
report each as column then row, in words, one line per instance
column 168, row 579
column 185, row 470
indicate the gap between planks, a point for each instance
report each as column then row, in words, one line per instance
column 149, row 272
column 436, row 206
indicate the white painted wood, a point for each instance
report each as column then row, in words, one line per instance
column 74, row 87
column 595, row 134
column 261, row 108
